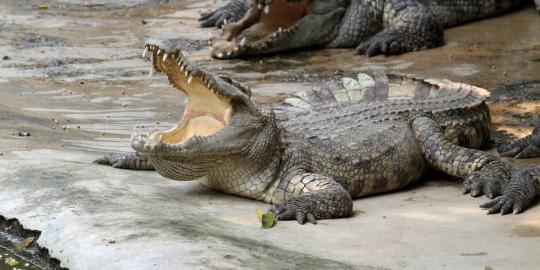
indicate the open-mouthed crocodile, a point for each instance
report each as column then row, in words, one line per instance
column 310, row 159
column 256, row 27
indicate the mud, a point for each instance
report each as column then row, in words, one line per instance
column 73, row 77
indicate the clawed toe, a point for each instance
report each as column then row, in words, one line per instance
column 383, row 43
column 516, row 197
column 290, row 212
column 503, row 205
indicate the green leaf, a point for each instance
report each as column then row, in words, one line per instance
column 259, row 214
column 268, row 220
column 13, row 263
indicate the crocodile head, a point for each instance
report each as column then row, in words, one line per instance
column 280, row 25
column 219, row 119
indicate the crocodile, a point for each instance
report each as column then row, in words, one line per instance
column 372, row 27
column 311, row 156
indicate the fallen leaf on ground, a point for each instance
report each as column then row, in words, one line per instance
column 268, row 220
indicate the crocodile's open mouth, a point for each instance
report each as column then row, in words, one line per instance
column 265, row 24
column 207, row 111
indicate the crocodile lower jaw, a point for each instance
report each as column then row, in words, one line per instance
column 266, row 25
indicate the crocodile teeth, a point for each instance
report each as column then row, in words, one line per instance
column 190, row 78
column 266, row 9
column 181, row 67
column 259, row 6
column 165, row 55
column 243, row 41
column 186, row 73
column 280, row 29
column 145, row 52
column 220, row 55
column 158, row 51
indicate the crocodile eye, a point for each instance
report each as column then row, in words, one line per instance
column 238, row 85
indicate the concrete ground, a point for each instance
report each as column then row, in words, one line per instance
column 72, row 77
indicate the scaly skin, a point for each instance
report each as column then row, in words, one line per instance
column 371, row 26
column 526, row 147
column 313, row 156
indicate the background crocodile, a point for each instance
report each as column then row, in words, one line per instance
column 311, row 159
column 372, row 26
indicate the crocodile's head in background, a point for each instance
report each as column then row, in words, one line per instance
column 280, row 25
column 219, row 119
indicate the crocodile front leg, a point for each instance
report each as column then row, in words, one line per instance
column 409, row 27
column 484, row 173
column 315, row 197
column 526, row 147
column 231, row 12
column 131, row 161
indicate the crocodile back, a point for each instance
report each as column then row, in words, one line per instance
column 455, row 12
column 387, row 99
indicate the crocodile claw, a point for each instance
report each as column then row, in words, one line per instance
column 516, row 197
column 231, row 12
column 132, row 161
column 526, row 147
column 289, row 211
column 382, row 43
column 491, row 180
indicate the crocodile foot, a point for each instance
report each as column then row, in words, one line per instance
column 491, row 180
column 519, row 193
column 231, row 12
column 132, row 161
column 295, row 210
column 527, row 147
column 386, row 42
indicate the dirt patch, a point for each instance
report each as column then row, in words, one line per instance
column 528, row 230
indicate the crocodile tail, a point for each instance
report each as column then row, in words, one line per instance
column 349, row 90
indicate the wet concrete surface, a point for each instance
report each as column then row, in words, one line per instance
column 72, row 78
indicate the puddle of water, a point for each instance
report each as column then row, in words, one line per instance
column 100, row 99
column 114, row 145
column 85, row 111
column 68, row 97
column 464, row 70
column 135, row 114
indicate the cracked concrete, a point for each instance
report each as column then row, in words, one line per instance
column 75, row 81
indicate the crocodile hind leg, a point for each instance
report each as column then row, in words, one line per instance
column 483, row 173
column 231, row 12
column 526, row 147
column 131, row 161
column 315, row 197
column 409, row 27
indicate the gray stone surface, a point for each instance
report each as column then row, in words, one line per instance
column 164, row 224
column 93, row 217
